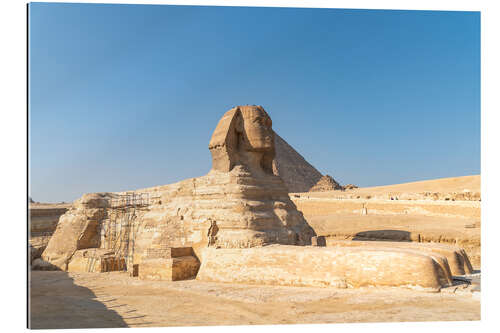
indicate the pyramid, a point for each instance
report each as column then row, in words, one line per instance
column 326, row 183
column 298, row 174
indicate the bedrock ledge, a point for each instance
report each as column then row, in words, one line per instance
column 339, row 267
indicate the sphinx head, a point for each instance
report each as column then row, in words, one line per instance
column 244, row 136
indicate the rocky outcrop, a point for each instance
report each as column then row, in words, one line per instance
column 77, row 229
column 298, row 174
column 457, row 259
column 96, row 261
column 326, row 183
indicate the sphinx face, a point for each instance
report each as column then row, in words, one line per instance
column 244, row 135
column 258, row 129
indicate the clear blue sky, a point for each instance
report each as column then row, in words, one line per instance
column 127, row 96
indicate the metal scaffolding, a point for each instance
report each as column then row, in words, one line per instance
column 122, row 224
column 130, row 200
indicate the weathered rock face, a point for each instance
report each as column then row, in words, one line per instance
column 229, row 210
column 457, row 259
column 296, row 172
column 95, row 260
column 239, row 203
column 77, row 229
column 339, row 267
column 326, row 183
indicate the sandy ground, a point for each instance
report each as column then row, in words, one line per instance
column 76, row 300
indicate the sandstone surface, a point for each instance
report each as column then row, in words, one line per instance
column 457, row 259
column 340, row 267
column 172, row 269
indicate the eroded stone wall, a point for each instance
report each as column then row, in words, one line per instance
column 327, row 206
column 43, row 219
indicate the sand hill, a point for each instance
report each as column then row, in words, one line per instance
column 298, row 174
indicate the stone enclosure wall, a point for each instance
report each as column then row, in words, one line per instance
column 43, row 221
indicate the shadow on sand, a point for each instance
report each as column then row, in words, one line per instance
column 384, row 235
column 57, row 302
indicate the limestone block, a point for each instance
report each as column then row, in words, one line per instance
column 82, row 264
column 77, row 229
column 169, row 269
column 457, row 258
column 348, row 267
column 163, row 251
column 96, row 261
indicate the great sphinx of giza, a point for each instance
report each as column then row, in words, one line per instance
column 235, row 224
column 239, row 203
